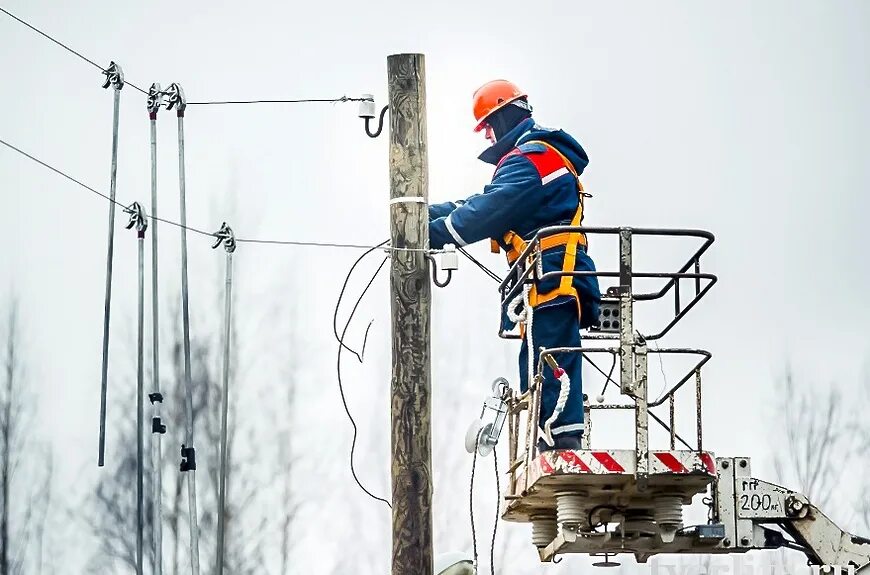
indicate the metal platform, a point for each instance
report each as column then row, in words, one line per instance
column 607, row 478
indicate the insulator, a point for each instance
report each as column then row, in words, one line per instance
column 544, row 529
column 570, row 509
column 668, row 511
column 367, row 107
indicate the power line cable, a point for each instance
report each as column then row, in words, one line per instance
column 212, row 234
column 301, row 101
column 59, row 172
column 485, row 269
column 65, row 47
column 204, row 103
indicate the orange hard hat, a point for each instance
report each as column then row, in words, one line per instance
column 492, row 97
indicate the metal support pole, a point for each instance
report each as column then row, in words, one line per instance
column 626, row 326
column 698, row 406
column 586, row 439
column 176, row 99
column 225, row 235
column 138, row 220
column 155, row 96
column 410, row 299
column 641, row 414
column 115, row 79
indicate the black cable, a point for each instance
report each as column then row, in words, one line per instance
column 471, row 501
column 380, row 124
column 497, row 515
column 340, row 340
column 302, row 101
column 65, row 47
column 205, row 233
column 341, row 388
column 609, row 376
column 485, row 269
column 56, row 171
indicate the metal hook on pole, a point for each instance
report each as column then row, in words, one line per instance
column 175, row 99
column 449, row 263
column 115, row 79
column 155, row 99
column 367, row 113
column 226, row 237
column 140, row 223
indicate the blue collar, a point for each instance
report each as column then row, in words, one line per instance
column 494, row 154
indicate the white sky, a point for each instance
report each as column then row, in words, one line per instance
column 745, row 118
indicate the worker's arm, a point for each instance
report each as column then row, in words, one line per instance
column 442, row 210
column 500, row 207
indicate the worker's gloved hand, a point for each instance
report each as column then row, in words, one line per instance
column 442, row 210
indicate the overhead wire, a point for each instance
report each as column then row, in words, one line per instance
column 299, row 101
column 212, row 234
column 485, row 269
column 65, row 47
column 202, row 103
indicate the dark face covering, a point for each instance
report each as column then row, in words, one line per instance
column 507, row 119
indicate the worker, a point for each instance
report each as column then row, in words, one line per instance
column 535, row 185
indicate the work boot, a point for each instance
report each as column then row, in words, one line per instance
column 560, row 442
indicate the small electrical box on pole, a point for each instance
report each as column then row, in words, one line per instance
column 410, row 302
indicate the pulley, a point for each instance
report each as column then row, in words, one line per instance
column 483, row 433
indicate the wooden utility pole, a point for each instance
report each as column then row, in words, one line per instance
column 410, row 302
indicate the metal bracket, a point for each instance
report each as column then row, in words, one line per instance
column 114, row 76
column 175, row 98
column 367, row 113
column 155, row 100
column 188, row 458
column 434, row 266
column 226, row 237
column 157, row 426
column 138, row 219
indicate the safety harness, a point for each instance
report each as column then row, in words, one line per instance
column 514, row 245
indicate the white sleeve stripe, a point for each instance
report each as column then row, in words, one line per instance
column 448, row 222
column 558, row 173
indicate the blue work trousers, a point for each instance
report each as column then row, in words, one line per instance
column 557, row 326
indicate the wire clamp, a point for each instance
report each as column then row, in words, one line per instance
column 155, row 100
column 155, row 397
column 157, row 426
column 137, row 218
column 188, row 458
column 226, row 237
column 114, row 76
column 175, row 98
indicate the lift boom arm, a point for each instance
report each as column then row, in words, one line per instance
column 744, row 505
